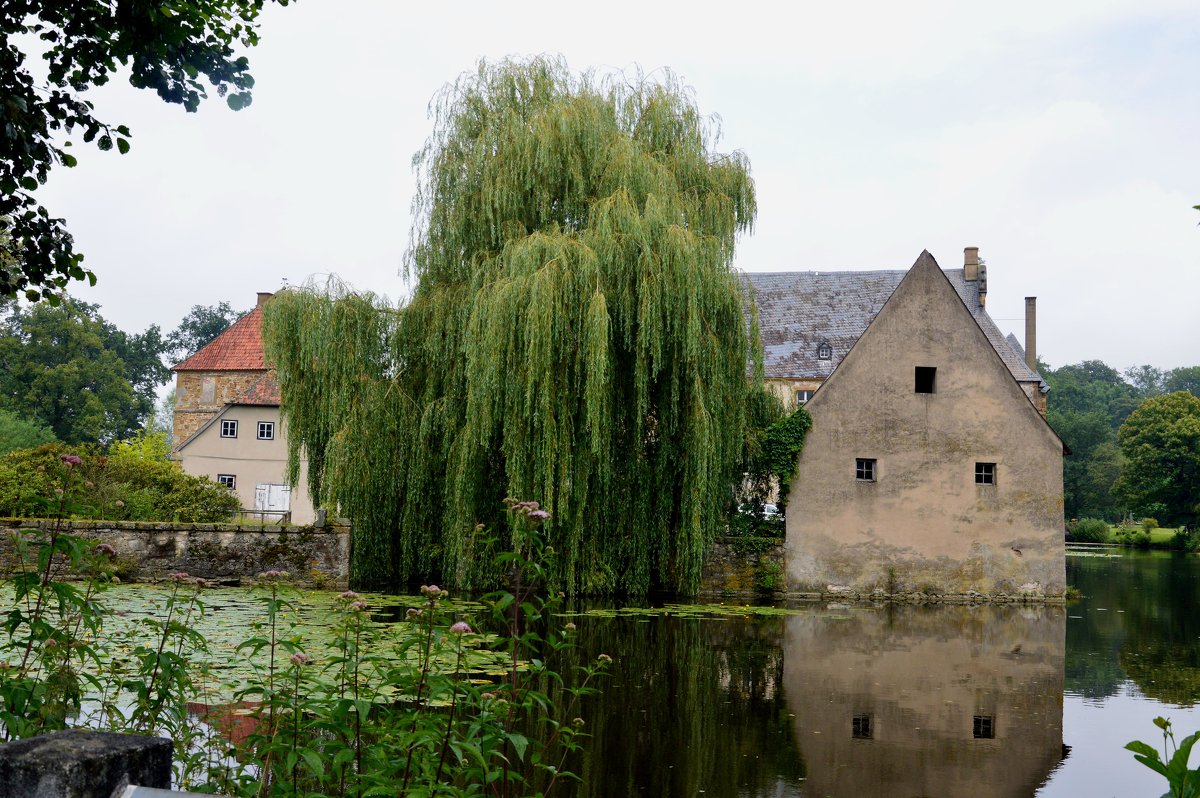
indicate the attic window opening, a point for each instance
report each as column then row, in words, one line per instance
column 860, row 727
column 228, row 428
column 984, row 727
column 985, row 473
column 926, row 378
column 824, row 352
column 864, row 469
column 803, row 396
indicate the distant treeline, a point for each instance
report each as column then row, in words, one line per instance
column 1134, row 438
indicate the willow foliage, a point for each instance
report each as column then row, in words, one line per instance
column 576, row 336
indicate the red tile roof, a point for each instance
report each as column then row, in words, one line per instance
column 264, row 392
column 237, row 349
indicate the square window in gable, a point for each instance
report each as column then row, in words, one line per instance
column 228, row 428
column 985, row 473
column 860, row 727
column 802, row 397
column 983, row 727
column 864, row 470
column 266, row 430
column 925, row 379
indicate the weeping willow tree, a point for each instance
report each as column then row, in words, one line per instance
column 577, row 335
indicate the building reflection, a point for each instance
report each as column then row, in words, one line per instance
column 910, row 701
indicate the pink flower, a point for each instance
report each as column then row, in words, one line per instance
column 412, row 613
column 106, row 550
column 358, row 605
column 538, row 515
column 71, row 459
column 460, row 628
column 299, row 658
column 349, row 595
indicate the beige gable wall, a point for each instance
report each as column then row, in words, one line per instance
column 252, row 461
column 924, row 525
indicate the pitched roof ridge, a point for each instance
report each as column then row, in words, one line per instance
column 238, row 348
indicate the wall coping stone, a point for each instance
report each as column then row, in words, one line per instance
column 83, row 764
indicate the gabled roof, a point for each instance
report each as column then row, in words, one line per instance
column 239, row 348
column 799, row 311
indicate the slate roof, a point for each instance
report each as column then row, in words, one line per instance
column 799, row 311
column 237, row 349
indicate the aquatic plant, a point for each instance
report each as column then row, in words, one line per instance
column 1173, row 766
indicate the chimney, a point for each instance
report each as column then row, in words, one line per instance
column 1031, row 332
column 263, row 296
column 970, row 263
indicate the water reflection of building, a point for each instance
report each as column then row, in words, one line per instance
column 927, row 701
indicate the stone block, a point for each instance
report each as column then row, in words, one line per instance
column 83, row 764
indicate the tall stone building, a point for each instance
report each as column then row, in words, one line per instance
column 930, row 466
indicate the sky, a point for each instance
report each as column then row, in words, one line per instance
column 1056, row 137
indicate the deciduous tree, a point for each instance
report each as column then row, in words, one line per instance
column 576, row 335
column 200, row 326
column 173, row 48
column 1161, row 444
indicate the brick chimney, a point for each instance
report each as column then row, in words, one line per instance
column 1031, row 332
column 971, row 264
column 263, row 296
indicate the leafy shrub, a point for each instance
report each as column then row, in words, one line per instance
column 133, row 482
column 1088, row 530
column 1186, row 540
column 1149, row 523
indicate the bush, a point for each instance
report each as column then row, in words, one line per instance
column 133, row 483
column 1148, row 524
column 1088, row 530
column 1186, row 540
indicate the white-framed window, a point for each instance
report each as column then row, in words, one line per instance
column 228, row 480
column 985, row 473
column 228, row 428
column 825, row 351
column 864, row 469
column 803, row 396
column 266, row 430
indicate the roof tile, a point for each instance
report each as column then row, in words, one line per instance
column 239, row 348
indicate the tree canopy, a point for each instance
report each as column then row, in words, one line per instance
column 68, row 369
column 1161, row 444
column 200, row 326
column 576, row 336
column 174, row 49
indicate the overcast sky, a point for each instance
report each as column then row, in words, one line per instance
column 1058, row 137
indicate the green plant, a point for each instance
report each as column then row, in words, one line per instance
column 768, row 576
column 1185, row 540
column 1173, row 766
column 1148, row 523
column 1088, row 530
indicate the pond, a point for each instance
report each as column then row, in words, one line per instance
column 903, row 700
column 897, row 700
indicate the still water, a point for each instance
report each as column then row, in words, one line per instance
column 902, row 700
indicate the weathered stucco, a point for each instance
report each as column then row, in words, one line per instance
column 924, row 525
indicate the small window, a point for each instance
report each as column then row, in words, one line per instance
column 864, row 470
column 824, row 352
column 228, row 480
column 926, row 377
column 860, row 727
column 228, row 428
column 984, row 727
column 803, row 396
column 985, row 473
column 266, row 430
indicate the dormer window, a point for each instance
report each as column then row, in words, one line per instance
column 825, row 351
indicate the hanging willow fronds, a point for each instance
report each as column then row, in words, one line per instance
column 576, row 336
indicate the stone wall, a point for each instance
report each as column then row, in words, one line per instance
column 744, row 567
column 200, row 395
column 225, row 553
